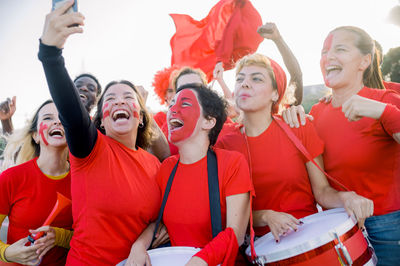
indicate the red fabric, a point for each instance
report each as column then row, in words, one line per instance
column 390, row 119
column 362, row 155
column 278, row 168
column 392, row 86
column 187, row 212
column 160, row 118
column 27, row 197
column 228, row 33
column 161, row 81
column 114, row 198
column 223, row 247
column 280, row 78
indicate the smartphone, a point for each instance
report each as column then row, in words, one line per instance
column 58, row 3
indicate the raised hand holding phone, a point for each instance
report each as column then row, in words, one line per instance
column 59, row 3
column 57, row 27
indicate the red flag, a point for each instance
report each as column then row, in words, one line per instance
column 227, row 33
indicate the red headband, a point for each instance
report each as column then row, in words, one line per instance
column 280, row 78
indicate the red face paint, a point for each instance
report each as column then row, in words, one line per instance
column 105, row 110
column 42, row 127
column 134, row 111
column 187, row 110
column 327, row 46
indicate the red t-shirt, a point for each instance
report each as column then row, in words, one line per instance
column 361, row 155
column 114, row 197
column 187, row 212
column 392, row 86
column 27, row 197
column 278, row 168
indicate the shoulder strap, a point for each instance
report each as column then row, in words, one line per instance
column 303, row 149
column 164, row 201
column 213, row 192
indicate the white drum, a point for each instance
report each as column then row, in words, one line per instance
column 326, row 238
column 169, row 256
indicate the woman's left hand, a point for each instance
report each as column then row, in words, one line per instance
column 138, row 256
column 48, row 240
column 358, row 206
column 196, row 261
column 162, row 236
column 358, row 107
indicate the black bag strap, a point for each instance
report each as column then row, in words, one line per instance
column 213, row 193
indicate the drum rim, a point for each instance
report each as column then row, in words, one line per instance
column 308, row 245
column 173, row 250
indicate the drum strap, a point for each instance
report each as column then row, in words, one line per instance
column 213, row 193
column 303, row 149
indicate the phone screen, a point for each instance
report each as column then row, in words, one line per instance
column 58, row 3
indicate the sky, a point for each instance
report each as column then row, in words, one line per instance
column 129, row 39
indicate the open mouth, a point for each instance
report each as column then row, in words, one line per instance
column 120, row 115
column 331, row 69
column 56, row 132
column 175, row 123
column 83, row 97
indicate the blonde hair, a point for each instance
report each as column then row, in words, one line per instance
column 186, row 71
column 21, row 146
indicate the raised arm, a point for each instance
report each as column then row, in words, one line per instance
column 7, row 110
column 270, row 31
column 80, row 132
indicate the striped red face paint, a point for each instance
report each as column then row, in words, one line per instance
column 134, row 111
column 43, row 127
column 105, row 110
column 183, row 116
column 324, row 54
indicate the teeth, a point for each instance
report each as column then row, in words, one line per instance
column 120, row 114
column 56, row 132
column 176, row 122
column 82, row 96
column 331, row 68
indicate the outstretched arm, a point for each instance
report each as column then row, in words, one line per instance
column 80, row 132
column 7, row 110
column 270, row 31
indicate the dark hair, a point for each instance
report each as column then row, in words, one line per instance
column 212, row 105
column 144, row 134
column 92, row 77
column 33, row 126
column 186, row 71
column 372, row 76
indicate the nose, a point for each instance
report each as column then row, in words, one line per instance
column 83, row 88
column 57, row 122
column 245, row 83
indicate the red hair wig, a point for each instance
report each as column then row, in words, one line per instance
column 161, row 81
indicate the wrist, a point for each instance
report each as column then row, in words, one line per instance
column 3, row 255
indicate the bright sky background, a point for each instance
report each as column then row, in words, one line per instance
column 129, row 39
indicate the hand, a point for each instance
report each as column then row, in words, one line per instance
column 358, row 206
column 162, row 236
column 7, row 108
column 358, row 107
column 143, row 92
column 46, row 242
column 280, row 223
column 22, row 254
column 219, row 72
column 269, row 31
column 138, row 256
column 290, row 116
column 57, row 27
column 326, row 99
column 196, row 261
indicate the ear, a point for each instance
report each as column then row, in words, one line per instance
column 36, row 137
column 365, row 62
column 275, row 96
column 208, row 124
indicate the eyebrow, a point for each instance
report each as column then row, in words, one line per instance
column 48, row 114
column 185, row 98
column 252, row 74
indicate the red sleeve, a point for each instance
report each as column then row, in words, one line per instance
column 390, row 119
column 222, row 249
column 237, row 178
column 5, row 192
column 310, row 139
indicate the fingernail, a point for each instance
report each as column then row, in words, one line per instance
column 301, row 222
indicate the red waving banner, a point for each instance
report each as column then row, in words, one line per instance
column 228, row 33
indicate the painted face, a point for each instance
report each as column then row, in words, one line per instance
column 87, row 89
column 183, row 115
column 50, row 132
column 188, row 79
column 342, row 63
column 253, row 89
column 120, row 110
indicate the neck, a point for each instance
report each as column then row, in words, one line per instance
column 341, row 95
column 128, row 140
column 53, row 160
column 192, row 150
column 256, row 123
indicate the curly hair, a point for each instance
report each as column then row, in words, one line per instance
column 162, row 80
column 145, row 133
column 213, row 107
column 88, row 75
